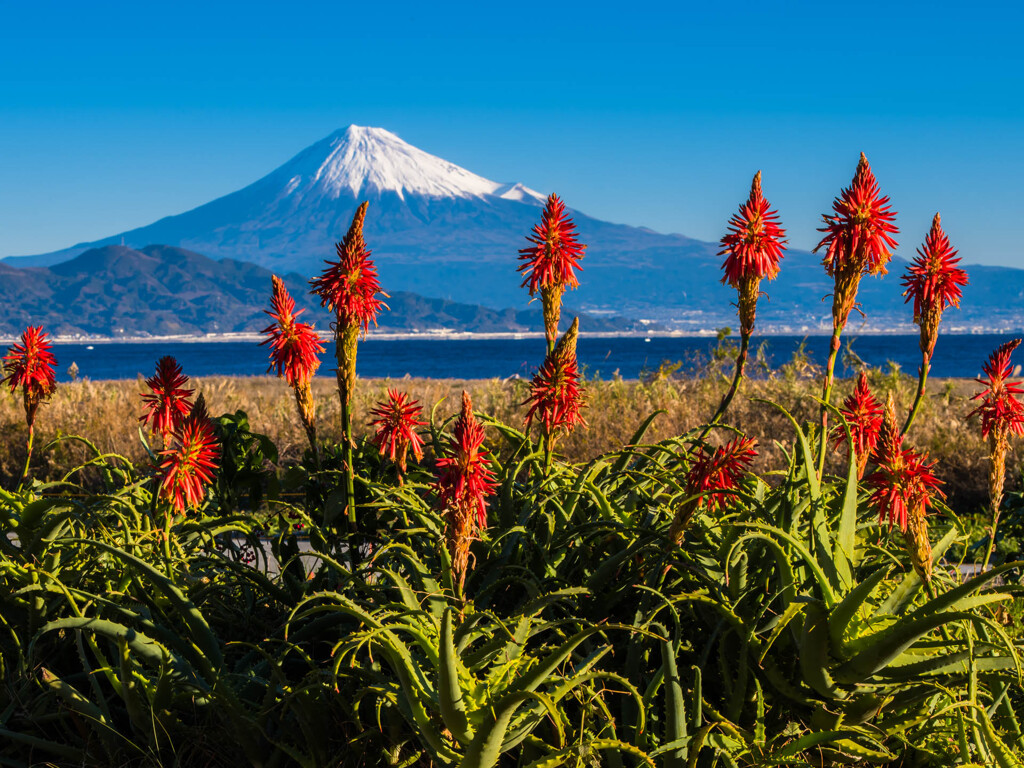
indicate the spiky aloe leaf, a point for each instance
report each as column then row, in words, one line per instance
column 814, row 652
column 675, row 709
column 842, row 614
column 486, row 746
column 201, row 632
column 449, row 690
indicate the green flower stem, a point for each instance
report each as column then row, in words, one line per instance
column 737, row 379
column 991, row 541
column 826, row 396
column 922, row 380
column 28, row 457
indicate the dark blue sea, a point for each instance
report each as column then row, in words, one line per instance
column 631, row 358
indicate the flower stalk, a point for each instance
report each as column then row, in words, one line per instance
column 465, row 480
column 295, row 348
column 858, row 241
column 29, row 364
column 753, row 248
column 350, row 287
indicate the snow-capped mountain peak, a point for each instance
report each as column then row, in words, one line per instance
column 361, row 161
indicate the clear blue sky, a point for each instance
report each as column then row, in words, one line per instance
column 115, row 114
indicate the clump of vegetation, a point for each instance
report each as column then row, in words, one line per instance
column 446, row 587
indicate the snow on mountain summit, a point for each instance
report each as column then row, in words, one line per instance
column 363, row 161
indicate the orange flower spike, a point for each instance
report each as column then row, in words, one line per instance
column 349, row 286
column 549, row 262
column 396, row 421
column 556, row 397
column 903, row 482
column 717, row 473
column 465, row 477
column 1000, row 410
column 933, row 280
column 167, row 402
column 188, row 467
column 554, row 251
column 754, row 243
column 863, row 414
column 858, row 233
column 294, row 346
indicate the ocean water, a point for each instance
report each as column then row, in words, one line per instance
column 955, row 355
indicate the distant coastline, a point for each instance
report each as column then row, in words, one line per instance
column 446, row 335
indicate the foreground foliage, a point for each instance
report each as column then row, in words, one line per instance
column 783, row 630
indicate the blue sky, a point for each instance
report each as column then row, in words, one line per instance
column 115, row 114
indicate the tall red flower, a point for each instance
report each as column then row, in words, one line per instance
column 548, row 262
column 858, row 233
column 30, row 365
column 933, row 281
column 167, row 402
column 188, row 465
column 349, row 286
column 754, row 244
column 1002, row 415
column 903, row 482
column 716, row 474
column 863, row 414
column 294, row 346
column 1000, row 409
column 396, row 421
column 556, row 397
column 554, row 251
column 465, row 477
column 465, row 480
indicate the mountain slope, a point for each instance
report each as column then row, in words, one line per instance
column 163, row 290
column 440, row 230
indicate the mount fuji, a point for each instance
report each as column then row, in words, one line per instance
column 439, row 230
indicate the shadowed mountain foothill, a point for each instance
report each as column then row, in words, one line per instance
column 161, row 290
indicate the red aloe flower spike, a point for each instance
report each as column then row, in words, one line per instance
column 858, row 240
column 556, row 397
column 465, row 480
column 863, row 414
column 903, row 482
column 294, row 346
column 188, row 467
column 349, row 286
column 859, row 231
column 549, row 261
column 1000, row 410
column 167, row 402
column 396, row 422
column 754, row 244
column 1002, row 415
column 713, row 477
column 933, row 281
column 715, row 474
column 752, row 250
column 30, row 365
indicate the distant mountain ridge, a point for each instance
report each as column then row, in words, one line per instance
column 161, row 290
column 437, row 229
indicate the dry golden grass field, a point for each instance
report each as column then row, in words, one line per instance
column 106, row 412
